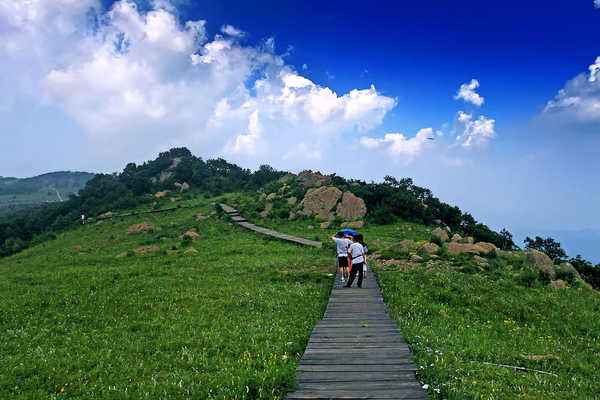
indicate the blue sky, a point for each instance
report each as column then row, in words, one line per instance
column 302, row 84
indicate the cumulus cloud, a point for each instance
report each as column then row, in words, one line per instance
column 232, row 31
column 579, row 99
column 146, row 79
column 398, row 145
column 477, row 131
column 597, row 3
column 467, row 92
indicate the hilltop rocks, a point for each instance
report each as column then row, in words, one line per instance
column 440, row 234
column 310, row 179
column 542, row 263
column 160, row 195
column 321, row 201
column 351, row 207
column 139, row 228
column 327, row 202
column 182, row 186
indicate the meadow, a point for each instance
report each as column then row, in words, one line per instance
column 101, row 314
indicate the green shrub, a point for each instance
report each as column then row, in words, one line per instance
column 528, row 278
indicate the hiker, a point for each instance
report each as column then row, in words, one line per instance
column 342, row 244
column 356, row 254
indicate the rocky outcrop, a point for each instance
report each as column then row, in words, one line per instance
column 558, row 284
column 160, row 195
column 310, row 179
column 440, row 234
column 542, row 263
column 320, row 202
column 106, row 215
column 351, row 207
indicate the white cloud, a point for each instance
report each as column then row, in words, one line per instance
column 579, row 99
column 467, row 92
column 477, row 132
column 145, row 80
column 597, row 3
column 398, row 145
column 232, row 31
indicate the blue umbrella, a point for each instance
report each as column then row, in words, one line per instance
column 349, row 232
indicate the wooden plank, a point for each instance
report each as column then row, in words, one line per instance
column 356, row 351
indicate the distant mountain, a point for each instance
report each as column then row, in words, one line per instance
column 18, row 193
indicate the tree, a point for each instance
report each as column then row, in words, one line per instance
column 549, row 246
column 506, row 240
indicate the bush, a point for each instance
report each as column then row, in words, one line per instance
column 528, row 278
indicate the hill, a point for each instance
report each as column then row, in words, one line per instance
column 20, row 193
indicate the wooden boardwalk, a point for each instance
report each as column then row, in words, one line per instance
column 241, row 221
column 356, row 351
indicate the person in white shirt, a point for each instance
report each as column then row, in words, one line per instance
column 356, row 252
column 342, row 244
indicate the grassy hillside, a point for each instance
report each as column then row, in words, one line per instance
column 86, row 316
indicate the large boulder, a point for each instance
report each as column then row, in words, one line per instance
column 456, row 238
column 541, row 262
column 480, row 248
column 292, row 201
column 429, row 248
column 160, row 195
column 321, row 201
column 351, row 207
column 310, row 179
column 440, row 234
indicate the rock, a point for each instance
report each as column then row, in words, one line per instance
column 456, row 238
column 310, row 227
column 468, row 240
column 440, row 234
column 392, row 262
column 201, row 217
column 190, row 252
column 321, row 201
column 139, row 228
column 480, row 261
column 292, row 201
column 160, row 195
column 486, row 247
column 77, row 248
column 271, row 196
column 354, row 224
column 147, row 249
column 122, row 255
column 434, row 256
column 265, row 213
column 437, row 221
column 310, row 179
column 191, row 234
column 351, row 207
column 558, row 284
column 542, row 263
column 416, row 258
column 460, row 248
column 429, row 248
column 106, row 215
column 182, row 186
column 292, row 216
column 325, row 225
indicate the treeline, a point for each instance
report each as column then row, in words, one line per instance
column 130, row 188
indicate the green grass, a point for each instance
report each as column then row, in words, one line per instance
column 231, row 322
column 458, row 317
